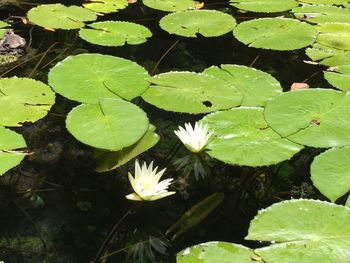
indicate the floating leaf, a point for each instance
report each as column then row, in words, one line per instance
column 340, row 78
column 304, row 230
column 115, row 33
column 325, row 2
column 241, row 136
column 111, row 125
column 2, row 31
column 107, row 161
column 191, row 93
column 275, row 33
column 322, row 14
column 106, row 6
column 23, row 100
column 98, row 76
column 215, row 251
column 196, row 214
column 10, row 141
column 257, row 86
column 347, row 203
column 313, row 117
column 328, row 56
column 171, row 5
column 208, row 23
column 60, row 16
column 335, row 35
column 330, row 172
column 264, row 6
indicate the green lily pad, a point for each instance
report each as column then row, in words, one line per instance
column 216, row 251
column 335, row 35
column 324, row 2
column 339, row 77
column 106, row 6
column 322, row 13
column 171, row 5
column 23, row 100
column 10, row 141
column 98, row 76
column 208, row 23
column 241, row 136
column 113, row 124
column 191, row 93
column 60, row 16
column 304, row 231
column 313, row 117
column 347, row 203
column 107, row 161
column 2, row 30
column 328, row 56
column 275, row 33
column 269, row 6
column 330, row 172
column 115, row 33
column 257, row 86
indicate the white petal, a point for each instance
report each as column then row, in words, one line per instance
column 133, row 197
column 162, row 195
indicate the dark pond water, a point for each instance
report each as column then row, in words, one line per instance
column 55, row 208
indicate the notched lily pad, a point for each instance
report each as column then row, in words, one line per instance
column 324, row 2
column 275, row 33
column 171, row 5
column 269, row 6
column 115, row 33
column 328, row 56
column 98, row 76
column 303, row 231
column 208, row 23
column 105, row 6
column 10, row 143
column 191, row 93
column 322, row 13
column 23, row 100
column 330, row 172
column 113, row 124
column 241, row 136
column 257, row 86
column 313, row 117
column 335, row 35
column 58, row 16
column 339, row 77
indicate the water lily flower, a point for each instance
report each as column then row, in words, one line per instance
column 195, row 139
column 146, row 183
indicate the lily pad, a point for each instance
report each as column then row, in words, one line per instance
column 339, row 77
column 23, row 100
column 208, row 23
column 269, row 6
column 313, row 117
column 322, row 14
column 191, row 93
column 98, row 76
column 275, row 33
column 10, row 141
column 60, row 16
column 335, row 35
column 113, row 124
column 106, row 6
column 328, row 56
column 216, row 251
column 241, row 136
column 115, row 33
column 107, row 161
column 2, row 30
column 324, row 2
column 171, row 5
column 257, row 86
column 330, row 172
column 304, row 231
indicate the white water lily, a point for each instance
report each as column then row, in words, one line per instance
column 195, row 139
column 146, row 183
